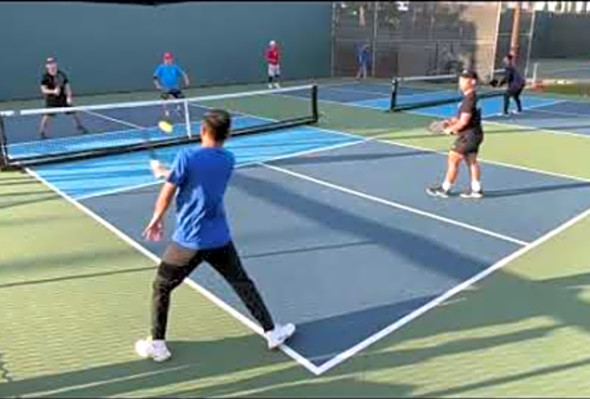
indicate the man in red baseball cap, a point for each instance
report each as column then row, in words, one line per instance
column 166, row 79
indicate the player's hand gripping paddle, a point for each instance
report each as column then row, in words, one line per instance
column 439, row 127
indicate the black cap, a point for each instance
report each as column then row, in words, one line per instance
column 469, row 74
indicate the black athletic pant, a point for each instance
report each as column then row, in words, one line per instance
column 178, row 263
column 512, row 93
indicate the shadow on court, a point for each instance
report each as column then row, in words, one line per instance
column 242, row 367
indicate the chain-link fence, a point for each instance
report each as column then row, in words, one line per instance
column 415, row 38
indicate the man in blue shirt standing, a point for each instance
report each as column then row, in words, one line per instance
column 363, row 58
column 166, row 79
column 199, row 178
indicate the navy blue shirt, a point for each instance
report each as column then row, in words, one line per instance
column 513, row 78
column 201, row 175
column 363, row 54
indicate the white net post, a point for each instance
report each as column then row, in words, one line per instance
column 535, row 82
column 187, row 119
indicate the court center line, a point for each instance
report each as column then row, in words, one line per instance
column 303, row 361
column 396, row 205
column 447, row 295
column 239, row 166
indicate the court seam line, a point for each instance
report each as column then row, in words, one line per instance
column 559, row 113
column 294, row 355
column 531, row 129
column 338, row 359
column 380, row 138
column 239, row 166
column 396, row 205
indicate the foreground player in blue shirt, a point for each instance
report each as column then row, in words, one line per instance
column 199, row 178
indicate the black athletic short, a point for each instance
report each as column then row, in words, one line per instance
column 468, row 143
column 174, row 93
column 57, row 102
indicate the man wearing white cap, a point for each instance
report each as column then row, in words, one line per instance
column 273, row 60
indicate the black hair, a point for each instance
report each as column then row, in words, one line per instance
column 218, row 122
column 509, row 57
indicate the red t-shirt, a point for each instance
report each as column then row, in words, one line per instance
column 272, row 55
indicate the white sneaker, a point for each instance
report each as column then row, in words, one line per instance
column 277, row 86
column 270, row 86
column 279, row 335
column 157, row 350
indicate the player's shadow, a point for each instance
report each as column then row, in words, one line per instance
column 14, row 203
column 196, row 364
column 241, row 366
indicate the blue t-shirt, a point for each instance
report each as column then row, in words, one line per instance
column 363, row 54
column 201, row 175
column 168, row 75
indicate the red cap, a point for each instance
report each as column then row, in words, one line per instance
column 168, row 56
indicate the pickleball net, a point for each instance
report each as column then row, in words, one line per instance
column 117, row 128
column 414, row 92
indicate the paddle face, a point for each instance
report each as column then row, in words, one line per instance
column 437, row 127
column 165, row 127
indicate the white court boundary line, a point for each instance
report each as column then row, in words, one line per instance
column 335, row 361
column 203, row 291
column 242, row 165
column 394, row 204
column 381, row 138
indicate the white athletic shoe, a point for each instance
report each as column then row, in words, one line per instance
column 279, row 335
column 270, row 86
column 156, row 350
column 277, row 86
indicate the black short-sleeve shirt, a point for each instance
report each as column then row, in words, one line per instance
column 469, row 105
column 51, row 82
